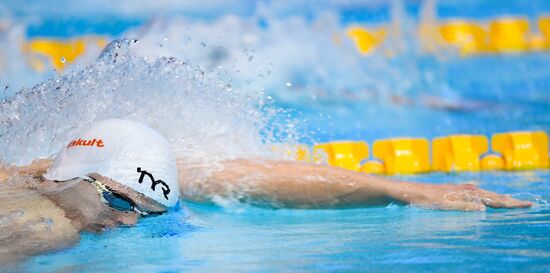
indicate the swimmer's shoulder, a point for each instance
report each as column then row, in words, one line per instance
column 37, row 168
column 34, row 170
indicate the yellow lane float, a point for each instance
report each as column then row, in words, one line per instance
column 468, row 37
column 492, row 162
column 501, row 35
column 59, row 53
column 510, row 151
column 299, row 152
column 509, row 35
column 458, row 152
column 403, row 155
column 544, row 29
column 344, row 154
column 372, row 167
column 365, row 40
column 522, row 150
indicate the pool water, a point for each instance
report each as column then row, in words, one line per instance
column 199, row 238
column 329, row 93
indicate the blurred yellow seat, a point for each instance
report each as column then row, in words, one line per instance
column 509, row 35
column 492, row 162
column 299, row 152
column 458, row 152
column 60, row 52
column 522, row 150
column 344, row 154
column 403, row 155
column 469, row 37
column 365, row 40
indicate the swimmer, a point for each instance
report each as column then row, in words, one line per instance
column 118, row 171
column 114, row 173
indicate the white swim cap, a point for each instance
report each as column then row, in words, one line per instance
column 127, row 152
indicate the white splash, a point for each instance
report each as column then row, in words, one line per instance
column 290, row 57
column 201, row 116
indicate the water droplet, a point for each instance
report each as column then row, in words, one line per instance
column 63, row 60
column 288, row 84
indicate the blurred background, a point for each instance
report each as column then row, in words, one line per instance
column 339, row 69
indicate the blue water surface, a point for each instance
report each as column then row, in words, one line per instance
column 201, row 238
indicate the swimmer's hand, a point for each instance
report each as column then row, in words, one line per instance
column 466, row 197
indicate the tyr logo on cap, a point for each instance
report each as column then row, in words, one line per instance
column 154, row 183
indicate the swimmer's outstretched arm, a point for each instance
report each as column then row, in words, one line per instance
column 301, row 185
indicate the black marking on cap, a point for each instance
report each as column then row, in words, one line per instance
column 154, row 183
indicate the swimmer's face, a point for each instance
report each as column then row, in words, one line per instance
column 87, row 211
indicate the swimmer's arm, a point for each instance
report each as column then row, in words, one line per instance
column 47, row 216
column 4, row 173
column 31, row 224
column 301, row 185
column 283, row 184
column 35, row 169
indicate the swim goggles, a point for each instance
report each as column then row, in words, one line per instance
column 113, row 199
